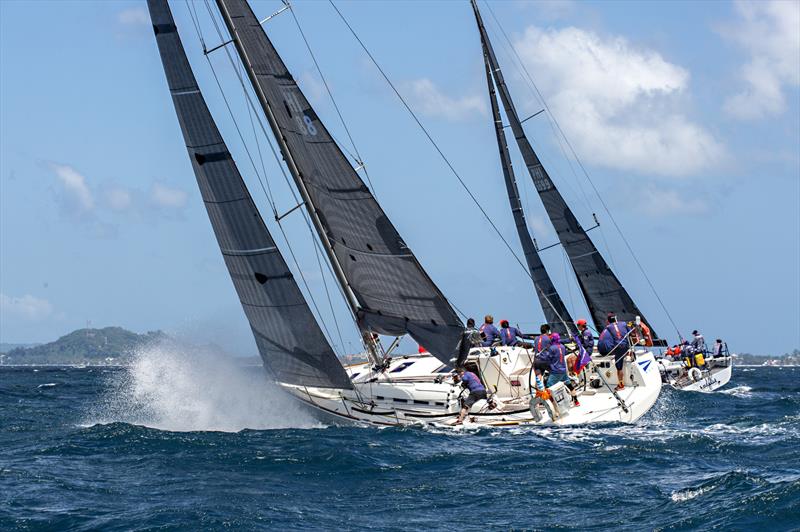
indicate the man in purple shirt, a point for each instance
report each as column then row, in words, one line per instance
column 512, row 336
column 476, row 391
column 489, row 331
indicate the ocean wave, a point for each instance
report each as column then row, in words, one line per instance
column 48, row 385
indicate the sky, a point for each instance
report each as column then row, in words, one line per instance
column 685, row 115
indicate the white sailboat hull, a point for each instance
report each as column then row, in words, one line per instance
column 715, row 377
column 418, row 390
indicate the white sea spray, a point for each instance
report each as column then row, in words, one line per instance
column 172, row 387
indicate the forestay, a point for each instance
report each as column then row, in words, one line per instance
column 289, row 338
column 393, row 294
column 555, row 311
column 600, row 287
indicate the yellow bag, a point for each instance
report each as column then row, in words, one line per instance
column 700, row 360
column 688, row 362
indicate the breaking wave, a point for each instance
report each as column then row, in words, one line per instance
column 176, row 388
column 738, row 391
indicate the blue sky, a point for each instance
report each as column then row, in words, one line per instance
column 685, row 115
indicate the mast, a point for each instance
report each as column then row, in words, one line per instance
column 555, row 311
column 287, row 335
column 387, row 289
column 599, row 285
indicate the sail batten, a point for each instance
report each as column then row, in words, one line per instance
column 387, row 289
column 287, row 335
column 555, row 311
column 599, row 285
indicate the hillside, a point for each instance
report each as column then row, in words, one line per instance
column 787, row 359
column 111, row 345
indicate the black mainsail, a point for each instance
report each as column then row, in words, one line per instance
column 555, row 311
column 288, row 336
column 386, row 287
column 599, row 285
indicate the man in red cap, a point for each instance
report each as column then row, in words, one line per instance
column 587, row 338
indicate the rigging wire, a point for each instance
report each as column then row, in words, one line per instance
column 591, row 182
column 358, row 158
column 198, row 29
column 428, row 135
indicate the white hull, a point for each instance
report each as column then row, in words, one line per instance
column 706, row 381
column 418, row 390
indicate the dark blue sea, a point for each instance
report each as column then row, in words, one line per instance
column 174, row 443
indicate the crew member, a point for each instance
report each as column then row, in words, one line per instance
column 719, row 348
column 698, row 342
column 542, row 341
column 489, row 331
column 586, row 336
column 558, row 360
column 512, row 336
column 476, row 391
column 614, row 341
column 640, row 334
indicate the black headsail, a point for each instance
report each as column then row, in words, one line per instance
column 555, row 311
column 600, row 287
column 288, row 337
column 386, row 287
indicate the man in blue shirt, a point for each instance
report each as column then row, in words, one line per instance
column 586, row 336
column 476, row 391
column 512, row 336
column 614, row 341
column 489, row 331
column 543, row 340
column 556, row 356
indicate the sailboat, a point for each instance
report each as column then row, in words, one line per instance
column 386, row 288
column 707, row 373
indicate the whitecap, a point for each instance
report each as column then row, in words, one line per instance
column 689, row 494
column 739, row 391
column 48, row 385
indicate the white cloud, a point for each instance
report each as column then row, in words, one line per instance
column 135, row 16
column 27, row 307
column 118, row 198
column 538, row 226
column 164, row 196
column 655, row 201
column 429, row 100
column 770, row 32
column 312, row 86
column 619, row 105
column 77, row 196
